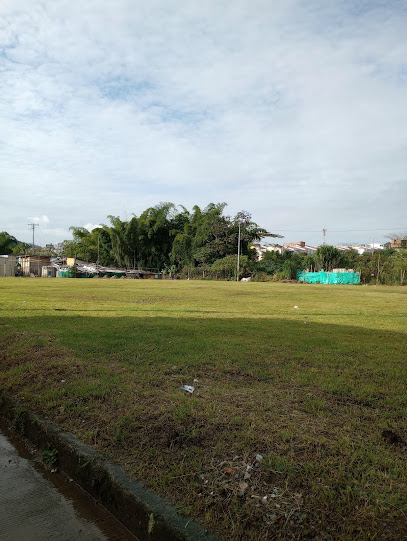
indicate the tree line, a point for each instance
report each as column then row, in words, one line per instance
column 381, row 267
column 167, row 237
column 202, row 243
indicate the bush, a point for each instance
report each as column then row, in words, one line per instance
column 262, row 277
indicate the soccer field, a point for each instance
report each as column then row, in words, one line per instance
column 311, row 378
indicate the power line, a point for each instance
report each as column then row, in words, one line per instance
column 343, row 230
column 33, row 226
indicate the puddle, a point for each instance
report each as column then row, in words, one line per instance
column 37, row 505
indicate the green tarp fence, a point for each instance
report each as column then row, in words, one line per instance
column 328, row 277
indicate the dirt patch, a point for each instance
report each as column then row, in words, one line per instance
column 392, row 438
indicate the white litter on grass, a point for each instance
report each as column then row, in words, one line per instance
column 296, row 307
column 188, row 388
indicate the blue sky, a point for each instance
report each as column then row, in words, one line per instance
column 292, row 110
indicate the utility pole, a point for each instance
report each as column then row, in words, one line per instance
column 324, row 234
column 33, row 226
column 238, row 256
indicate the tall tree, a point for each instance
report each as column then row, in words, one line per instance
column 156, row 235
column 7, row 243
column 327, row 257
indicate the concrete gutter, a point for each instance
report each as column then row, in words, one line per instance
column 145, row 514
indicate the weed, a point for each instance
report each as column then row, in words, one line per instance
column 50, row 457
column 119, row 436
column 314, row 404
column 18, row 421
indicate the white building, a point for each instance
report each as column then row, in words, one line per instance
column 368, row 248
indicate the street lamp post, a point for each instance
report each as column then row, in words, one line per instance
column 238, row 255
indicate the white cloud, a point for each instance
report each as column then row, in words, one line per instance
column 107, row 108
column 91, row 227
column 40, row 220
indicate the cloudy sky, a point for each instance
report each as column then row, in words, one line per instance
column 295, row 110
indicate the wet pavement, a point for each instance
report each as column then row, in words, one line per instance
column 37, row 505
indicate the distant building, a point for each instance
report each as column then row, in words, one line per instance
column 32, row 264
column 7, row 265
column 59, row 248
column 262, row 249
column 398, row 243
column 368, row 248
column 299, row 247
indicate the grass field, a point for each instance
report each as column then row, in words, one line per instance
column 318, row 391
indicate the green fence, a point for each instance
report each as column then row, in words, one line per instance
column 328, row 277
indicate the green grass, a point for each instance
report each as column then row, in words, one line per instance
column 311, row 389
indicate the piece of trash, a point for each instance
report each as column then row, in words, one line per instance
column 196, row 380
column 201, row 475
column 296, row 307
column 188, row 388
column 62, row 381
column 242, row 488
column 229, row 470
column 249, row 467
column 264, row 498
column 53, row 471
column 259, row 458
column 71, row 480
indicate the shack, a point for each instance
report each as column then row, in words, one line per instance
column 7, row 265
column 49, row 272
column 32, row 264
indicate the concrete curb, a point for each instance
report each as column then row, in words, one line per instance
column 144, row 513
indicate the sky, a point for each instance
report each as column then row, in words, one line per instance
column 293, row 110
